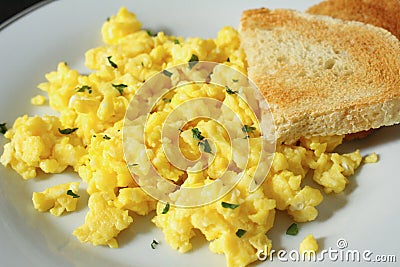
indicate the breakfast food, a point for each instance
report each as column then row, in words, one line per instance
column 57, row 199
column 308, row 245
column 384, row 14
column 88, row 136
column 322, row 76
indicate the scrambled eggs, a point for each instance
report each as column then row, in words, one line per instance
column 87, row 136
column 308, row 245
column 57, row 199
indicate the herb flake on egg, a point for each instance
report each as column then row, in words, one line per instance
column 229, row 205
column 120, row 87
column 230, row 91
column 166, row 209
column 67, row 130
column 193, row 61
column 72, row 194
column 240, row 233
column 112, row 63
column 206, row 146
column 197, row 134
column 167, row 73
column 84, row 88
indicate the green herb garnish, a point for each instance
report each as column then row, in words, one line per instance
column 106, row 137
column 120, row 87
column 228, row 60
column 150, row 33
column 85, row 88
column 197, row 134
column 230, row 91
column 72, row 194
column 240, row 233
column 67, row 130
column 293, row 229
column 3, row 128
column 206, row 146
column 229, row 205
column 154, row 244
column 112, row 63
column 167, row 100
column 193, row 61
column 133, row 165
column 166, row 209
column 167, row 73
column 235, row 80
column 176, row 41
column 248, row 129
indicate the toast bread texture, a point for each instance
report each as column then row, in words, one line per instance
column 322, row 76
column 381, row 13
column 384, row 14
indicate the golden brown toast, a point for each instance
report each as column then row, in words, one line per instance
column 322, row 76
column 381, row 13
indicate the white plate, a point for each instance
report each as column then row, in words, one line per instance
column 366, row 215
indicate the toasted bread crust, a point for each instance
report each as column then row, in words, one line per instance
column 320, row 75
column 381, row 13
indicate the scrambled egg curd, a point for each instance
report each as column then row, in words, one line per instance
column 87, row 136
column 308, row 245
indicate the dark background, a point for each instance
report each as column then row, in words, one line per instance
column 9, row 8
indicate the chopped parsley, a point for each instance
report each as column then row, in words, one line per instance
column 154, row 244
column 240, row 233
column 133, row 165
column 167, row 73
column 85, row 88
column 176, row 41
column 229, row 205
column 235, row 80
column 72, row 194
column 106, row 137
column 67, row 130
column 228, row 60
column 248, row 129
column 120, row 87
column 197, row 134
column 167, row 100
column 203, row 143
column 112, row 63
column 166, row 209
column 230, row 91
column 193, row 61
column 293, row 229
column 206, row 146
column 150, row 33
column 3, row 128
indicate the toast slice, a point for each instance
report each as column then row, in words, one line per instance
column 322, row 76
column 382, row 13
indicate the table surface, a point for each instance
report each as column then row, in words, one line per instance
column 10, row 8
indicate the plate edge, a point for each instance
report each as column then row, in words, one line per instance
column 24, row 12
